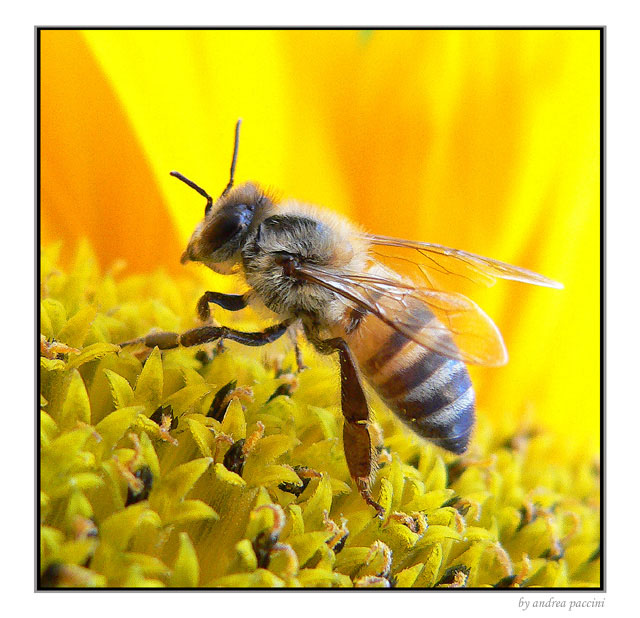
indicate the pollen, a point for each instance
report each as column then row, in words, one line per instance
column 129, row 499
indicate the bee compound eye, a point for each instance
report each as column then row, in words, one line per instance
column 227, row 224
column 222, row 230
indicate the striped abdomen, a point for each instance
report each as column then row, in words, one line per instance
column 431, row 393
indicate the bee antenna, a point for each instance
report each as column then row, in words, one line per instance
column 234, row 159
column 193, row 185
column 200, row 190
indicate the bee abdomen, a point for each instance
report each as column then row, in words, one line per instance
column 433, row 395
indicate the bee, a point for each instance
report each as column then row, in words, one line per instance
column 313, row 269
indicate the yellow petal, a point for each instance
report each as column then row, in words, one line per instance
column 186, row 570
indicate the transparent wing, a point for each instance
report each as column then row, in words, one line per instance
column 429, row 261
column 447, row 323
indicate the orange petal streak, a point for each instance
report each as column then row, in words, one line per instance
column 92, row 164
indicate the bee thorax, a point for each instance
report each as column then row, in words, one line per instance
column 274, row 254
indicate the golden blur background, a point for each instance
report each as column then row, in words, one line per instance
column 483, row 140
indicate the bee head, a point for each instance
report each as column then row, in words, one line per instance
column 219, row 237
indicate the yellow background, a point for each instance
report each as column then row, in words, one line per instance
column 487, row 141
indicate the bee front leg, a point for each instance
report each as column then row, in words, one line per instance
column 230, row 302
column 209, row 334
column 357, row 440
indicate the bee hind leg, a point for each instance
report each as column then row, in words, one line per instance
column 357, row 440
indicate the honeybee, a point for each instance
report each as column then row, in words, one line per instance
column 314, row 269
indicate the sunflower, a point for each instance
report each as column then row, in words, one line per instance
column 199, row 468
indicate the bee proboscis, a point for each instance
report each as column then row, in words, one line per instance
column 313, row 269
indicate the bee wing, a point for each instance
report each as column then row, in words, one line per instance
column 429, row 260
column 461, row 330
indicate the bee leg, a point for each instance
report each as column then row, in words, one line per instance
column 230, row 302
column 357, row 440
column 294, row 333
column 299, row 361
column 209, row 334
